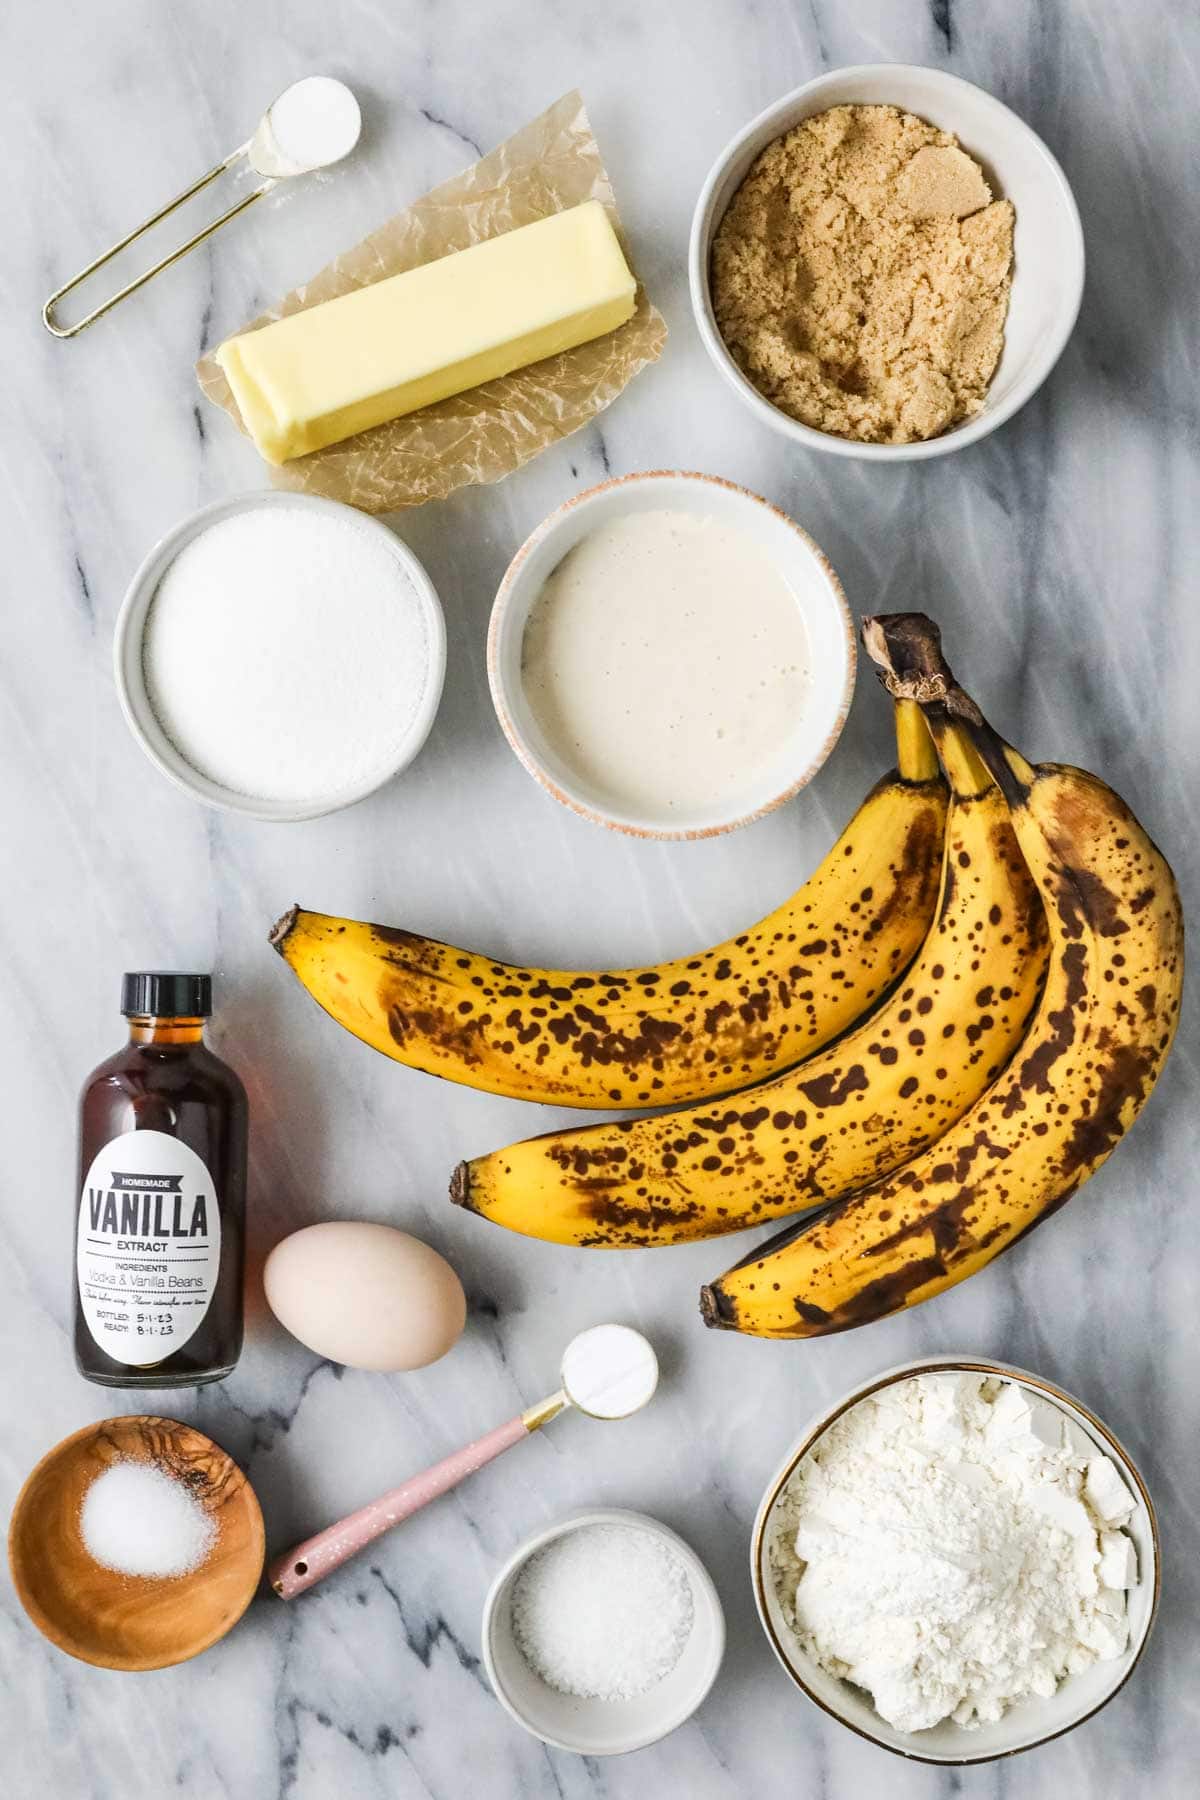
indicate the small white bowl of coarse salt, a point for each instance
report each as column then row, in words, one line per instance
column 280, row 655
column 602, row 1633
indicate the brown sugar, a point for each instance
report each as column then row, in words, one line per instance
column 861, row 274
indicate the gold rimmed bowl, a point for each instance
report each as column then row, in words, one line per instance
column 1023, row 1726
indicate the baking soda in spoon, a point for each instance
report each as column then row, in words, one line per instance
column 609, row 1371
column 313, row 123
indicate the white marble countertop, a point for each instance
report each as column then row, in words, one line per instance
column 1058, row 555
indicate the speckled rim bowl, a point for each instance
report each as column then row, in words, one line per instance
column 803, row 565
column 602, row 1727
column 1048, row 256
column 131, row 687
column 1032, row 1723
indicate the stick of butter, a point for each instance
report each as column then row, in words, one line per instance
column 322, row 375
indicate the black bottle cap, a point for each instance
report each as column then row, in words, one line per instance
column 166, row 994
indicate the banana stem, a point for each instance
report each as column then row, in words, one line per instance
column 916, row 758
column 965, row 769
column 281, row 929
column 908, row 649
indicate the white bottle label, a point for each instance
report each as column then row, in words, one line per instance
column 149, row 1246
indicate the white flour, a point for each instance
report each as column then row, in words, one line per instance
column 285, row 654
column 954, row 1552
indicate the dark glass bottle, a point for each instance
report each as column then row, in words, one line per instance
column 160, row 1236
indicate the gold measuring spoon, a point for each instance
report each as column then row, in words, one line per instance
column 313, row 124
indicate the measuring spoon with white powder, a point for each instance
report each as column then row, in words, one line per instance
column 608, row 1372
column 312, row 125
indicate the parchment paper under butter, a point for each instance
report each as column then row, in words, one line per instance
column 551, row 164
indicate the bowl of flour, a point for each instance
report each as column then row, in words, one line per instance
column 958, row 1561
column 280, row 656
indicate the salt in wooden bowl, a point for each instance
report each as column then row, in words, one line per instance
column 121, row 1621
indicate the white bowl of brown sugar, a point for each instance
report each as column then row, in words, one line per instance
column 886, row 263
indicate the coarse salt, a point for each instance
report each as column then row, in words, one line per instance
column 285, row 655
column 138, row 1519
column 603, row 1612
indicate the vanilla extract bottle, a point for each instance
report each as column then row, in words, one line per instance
column 160, row 1233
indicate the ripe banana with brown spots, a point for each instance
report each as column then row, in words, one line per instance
column 1094, row 1050
column 683, row 1030
column 845, row 1115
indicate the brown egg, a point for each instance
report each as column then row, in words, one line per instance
column 365, row 1295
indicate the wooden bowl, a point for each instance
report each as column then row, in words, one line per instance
column 133, row 1621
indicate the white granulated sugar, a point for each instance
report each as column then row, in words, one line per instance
column 285, row 655
column 139, row 1520
column 949, row 1548
column 603, row 1612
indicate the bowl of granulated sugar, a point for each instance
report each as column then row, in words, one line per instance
column 603, row 1633
column 280, row 655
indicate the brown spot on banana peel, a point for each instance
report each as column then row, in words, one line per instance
column 1085, row 901
column 622, row 1224
column 1125, row 1081
column 921, row 857
column 833, row 1088
column 1035, row 1068
column 457, row 1037
column 876, row 1299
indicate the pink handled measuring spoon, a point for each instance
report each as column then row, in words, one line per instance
column 607, row 1372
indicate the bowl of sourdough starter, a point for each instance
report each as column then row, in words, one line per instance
column 763, row 301
column 280, row 655
column 671, row 656
column 958, row 1560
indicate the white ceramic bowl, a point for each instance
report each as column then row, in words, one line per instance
column 602, row 1727
column 1048, row 257
column 1033, row 1722
column 130, row 676
column 803, row 565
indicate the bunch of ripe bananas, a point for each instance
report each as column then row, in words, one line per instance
column 925, row 1051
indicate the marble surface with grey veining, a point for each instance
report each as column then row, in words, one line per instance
column 1060, row 556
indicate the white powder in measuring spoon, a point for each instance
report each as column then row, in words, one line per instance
column 285, row 655
column 603, row 1612
column 139, row 1520
column 313, row 123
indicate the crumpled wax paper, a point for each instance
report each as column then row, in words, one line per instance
column 551, row 164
